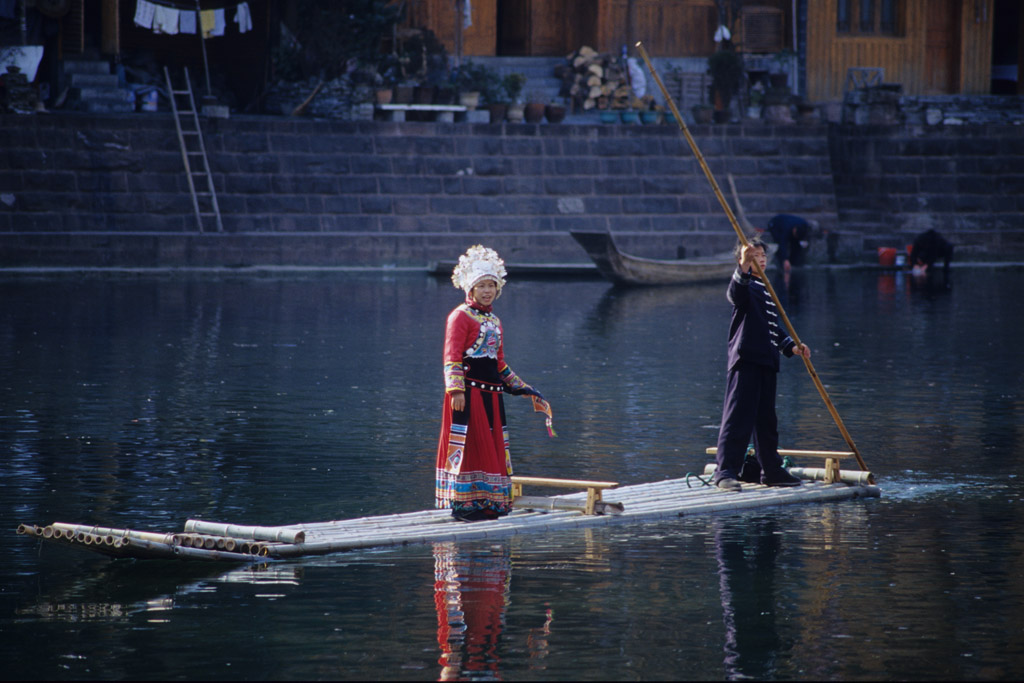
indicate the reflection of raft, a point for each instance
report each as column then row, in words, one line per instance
column 640, row 502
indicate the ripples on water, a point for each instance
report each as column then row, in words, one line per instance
column 142, row 402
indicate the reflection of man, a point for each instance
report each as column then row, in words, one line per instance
column 746, row 551
column 792, row 234
column 470, row 593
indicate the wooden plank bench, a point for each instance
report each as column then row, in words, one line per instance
column 594, row 504
column 442, row 112
column 832, row 459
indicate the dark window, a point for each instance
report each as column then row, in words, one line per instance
column 869, row 17
column 843, row 16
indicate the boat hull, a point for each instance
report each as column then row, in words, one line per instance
column 628, row 270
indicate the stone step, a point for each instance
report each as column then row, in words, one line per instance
column 102, row 100
column 82, row 66
column 541, row 83
column 108, row 107
column 93, row 80
column 91, row 93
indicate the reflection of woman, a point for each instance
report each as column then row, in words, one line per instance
column 473, row 463
column 470, row 593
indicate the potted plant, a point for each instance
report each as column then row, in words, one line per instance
column 756, row 100
column 513, row 84
column 702, row 111
column 477, row 84
column 727, row 74
column 554, row 112
column 534, row 112
column 649, row 111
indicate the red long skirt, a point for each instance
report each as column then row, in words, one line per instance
column 473, row 463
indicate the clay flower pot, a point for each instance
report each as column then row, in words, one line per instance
column 534, row 112
column 516, row 112
column 554, row 113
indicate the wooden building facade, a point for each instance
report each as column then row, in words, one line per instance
column 930, row 47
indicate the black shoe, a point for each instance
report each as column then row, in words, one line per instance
column 783, row 478
column 750, row 473
column 469, row 515
column 728, row 484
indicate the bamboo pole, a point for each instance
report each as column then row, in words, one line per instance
column 743, row 240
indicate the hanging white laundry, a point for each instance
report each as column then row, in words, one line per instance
column 243, row 17
column 467, row 14
column 219, row 22
column 187, row 22
column 722, row 34
column 165, row 20
column 637, row 78
column 144, row 11
column 212, row 22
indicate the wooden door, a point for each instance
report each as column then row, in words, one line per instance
column 110, row 40
column 514, row 27
column 942, row 47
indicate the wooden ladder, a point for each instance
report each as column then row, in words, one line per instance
column 193, row 153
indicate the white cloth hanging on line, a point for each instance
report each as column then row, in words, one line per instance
column 212, row 21
column 243, row 17
column 144, row 11
column 170, row 20
column 165, row 20
column 187, row 22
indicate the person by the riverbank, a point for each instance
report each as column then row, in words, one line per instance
column 928, row 248
column 792, row 235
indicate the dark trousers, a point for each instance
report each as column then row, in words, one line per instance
column 749, row 410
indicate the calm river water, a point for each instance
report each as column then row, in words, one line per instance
column 143, row 401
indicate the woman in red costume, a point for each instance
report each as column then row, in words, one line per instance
column 474, row 468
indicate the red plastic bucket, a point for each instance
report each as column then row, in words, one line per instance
column 886, row 256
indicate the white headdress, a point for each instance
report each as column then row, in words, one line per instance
column 478, row 263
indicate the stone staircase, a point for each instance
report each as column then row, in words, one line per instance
column 93, row 88
column 541, row 83
column 308, row 192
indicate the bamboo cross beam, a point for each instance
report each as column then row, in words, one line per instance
column 743, row 240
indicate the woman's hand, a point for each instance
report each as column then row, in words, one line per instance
column 458, row 400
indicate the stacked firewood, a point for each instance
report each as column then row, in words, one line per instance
column 595, row 81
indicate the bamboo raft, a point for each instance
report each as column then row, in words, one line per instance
column 599, row 503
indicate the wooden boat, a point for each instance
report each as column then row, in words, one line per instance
column 626, row 269
column 595, row 503
column 531, row 270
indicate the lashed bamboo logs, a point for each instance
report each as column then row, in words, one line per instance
column 850, row 477
column 256, row 533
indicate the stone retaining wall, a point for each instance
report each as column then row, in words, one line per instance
column 110, row 190
column 967, row 182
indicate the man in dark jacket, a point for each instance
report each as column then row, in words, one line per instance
column 792, row 234
column 755, row 341
column 928, row 248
